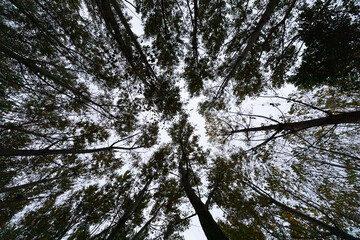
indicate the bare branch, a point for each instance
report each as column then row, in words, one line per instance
column 300, row 102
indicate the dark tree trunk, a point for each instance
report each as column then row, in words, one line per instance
column 251, row 41
column 45, row 152
column 349, row 117
column 112, row 232
column 120, row 224
column 333, row 230
column 208, row 224
column 27, row 185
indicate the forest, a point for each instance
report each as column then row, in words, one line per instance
column 132, row 119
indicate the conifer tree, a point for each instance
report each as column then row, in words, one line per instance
column 96, row 134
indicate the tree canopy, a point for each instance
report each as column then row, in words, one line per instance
column 97, row 140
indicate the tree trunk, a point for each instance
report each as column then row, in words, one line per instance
column 252, row 40
column 333, row 230
column 120, row 224
column 349, row 117
column 26, row 185
column 208, row 224
column 115, row 230
column 133, row 38
column 45, row 152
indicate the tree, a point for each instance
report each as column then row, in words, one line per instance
column 302, row 167
column 84, row 96
column 181, row 133
column 329, row 33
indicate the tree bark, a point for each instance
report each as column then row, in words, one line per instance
column 45, row 152
column 208, row 224
column 349, row 117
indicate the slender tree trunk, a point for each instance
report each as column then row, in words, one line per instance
column 23, row 130
column 208, row 224
column 251, row 41
column 114, row 29
column 144, row 228
column 334, row 230
column 133, row 38
column 195, row 30
column 349, row 117
column 45, row 152
column 33, row 67
column 114, row 231
column 26, row 185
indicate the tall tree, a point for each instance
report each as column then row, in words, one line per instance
column 88, row 90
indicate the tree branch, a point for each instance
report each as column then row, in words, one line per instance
column 349, row 117
column 252, row 40
column 45, row 152
column 208, row 224
column 333, row 230
column 27, row 185
column 300, row 102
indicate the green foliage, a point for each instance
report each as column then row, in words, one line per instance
column 331, row 37
column 163, row 27
column 85, row 103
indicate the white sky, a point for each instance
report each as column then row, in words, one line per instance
column 258, row 106
column 195, row 231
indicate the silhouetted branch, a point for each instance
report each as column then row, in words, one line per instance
column 349, row 117
column 251, row 41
